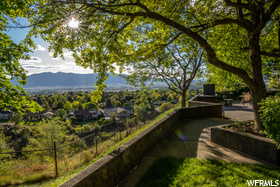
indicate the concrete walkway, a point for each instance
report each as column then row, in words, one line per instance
column 239, row 112
column 209, row 150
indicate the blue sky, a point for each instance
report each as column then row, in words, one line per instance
column 42, row 59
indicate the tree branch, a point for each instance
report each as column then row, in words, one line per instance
column 238, row 4
column 172, row 40
column 211, row 55
column 274, row 5
column 271, row 54
column 242, row 23
column 122, row 28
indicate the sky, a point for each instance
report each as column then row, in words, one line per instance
column 41, row 58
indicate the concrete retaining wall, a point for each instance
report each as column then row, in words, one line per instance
column 205, row 98
column 202, row 109
column 110, row 169
column 257, row 147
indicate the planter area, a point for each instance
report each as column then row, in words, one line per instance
column 257, row 147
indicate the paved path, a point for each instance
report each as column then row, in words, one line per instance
column 239, row 112
column 209, row 150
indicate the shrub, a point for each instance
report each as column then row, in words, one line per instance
column 270, row 114
column 4, row 147
column 165, row 106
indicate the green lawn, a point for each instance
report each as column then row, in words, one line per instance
column 189, row 172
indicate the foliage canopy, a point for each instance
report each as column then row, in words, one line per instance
column 238, row 36
column 12, row 96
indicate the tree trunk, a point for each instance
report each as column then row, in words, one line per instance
column 183, row 99
column 258, row 94
column 257, row 87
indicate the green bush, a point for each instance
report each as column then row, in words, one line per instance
column 165, row 106
column 270, row 114
column 4, row 147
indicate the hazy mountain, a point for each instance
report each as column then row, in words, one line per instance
column 71, row 80
column 60, row 82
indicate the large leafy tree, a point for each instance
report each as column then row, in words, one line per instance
column 223, row 80
column 175, row 66
column 12, row 96
column 129, row 30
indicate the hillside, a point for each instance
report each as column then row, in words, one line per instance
column 73, row 81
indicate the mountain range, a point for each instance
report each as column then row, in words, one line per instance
column 71, row 80
column 74, row 81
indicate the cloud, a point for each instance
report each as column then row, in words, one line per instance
column 32, row 60
column 51, row 56
column 50, row 64
column 43, row 61
column 71, row 67
column 56, row 58
column 68, row 54
column 40, row 48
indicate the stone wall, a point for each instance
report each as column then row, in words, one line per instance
column 110, row 169
column 259, row 148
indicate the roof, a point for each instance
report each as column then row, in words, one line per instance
column 115, row 110
column 49, row 113
column 7, row 124
column 5, row 112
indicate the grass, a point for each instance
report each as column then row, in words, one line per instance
column 19, row 171
column 173, row 172
column 71, row 166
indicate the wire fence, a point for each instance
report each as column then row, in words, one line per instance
column 36, row 165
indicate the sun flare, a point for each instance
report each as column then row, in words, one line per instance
column 73, row 23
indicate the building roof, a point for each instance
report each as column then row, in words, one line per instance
column 6, row 124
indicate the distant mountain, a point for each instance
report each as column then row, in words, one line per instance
column 60, row 82
column 71, row 80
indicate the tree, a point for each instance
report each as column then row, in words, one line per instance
column 223, row 80
column 68, row 106
column 115, row 100
column 4, row 147
column 12, row 96
column 175, row 66
column 123, row 30
column 62, row 113
column 143, row 106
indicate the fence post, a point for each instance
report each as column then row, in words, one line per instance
column 120, row 133
column 96, row 145
column 55, row 159
column 127, row 132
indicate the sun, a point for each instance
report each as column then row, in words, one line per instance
column 73, row 23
